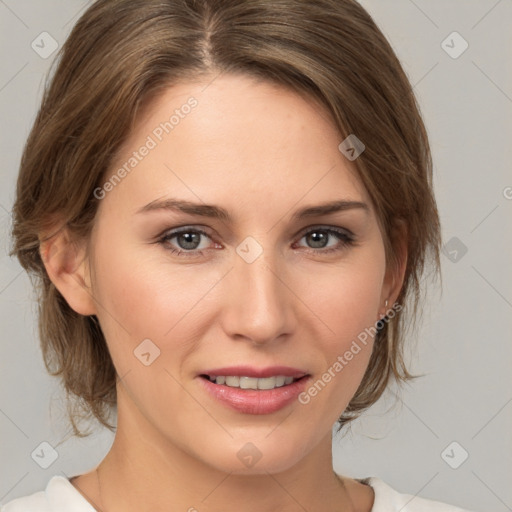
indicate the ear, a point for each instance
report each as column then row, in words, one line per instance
column 68, row 268
column 395, row 271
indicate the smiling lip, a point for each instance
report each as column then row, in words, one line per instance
column 260, row 373
column 251, row 401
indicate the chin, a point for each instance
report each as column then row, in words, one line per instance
column 258, row 454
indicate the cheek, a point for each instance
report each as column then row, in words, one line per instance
column 142, row 296
column 347, row 299
column 347, row 302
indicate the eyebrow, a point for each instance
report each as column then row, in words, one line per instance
column 216, row 212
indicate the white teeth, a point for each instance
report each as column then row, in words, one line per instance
column 234, row 382
column 280, row 380
column 252, row 382
column 248, row 383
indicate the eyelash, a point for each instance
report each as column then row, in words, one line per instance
column 346, row 240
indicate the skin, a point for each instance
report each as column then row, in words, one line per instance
column 261, row 152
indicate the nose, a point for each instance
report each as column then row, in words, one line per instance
column 259, row 305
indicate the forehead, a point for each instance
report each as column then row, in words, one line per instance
column 236, row 140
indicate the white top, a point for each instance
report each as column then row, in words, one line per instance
column 61, row 496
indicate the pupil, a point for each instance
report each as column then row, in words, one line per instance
column 318, row 239
column 190, row 240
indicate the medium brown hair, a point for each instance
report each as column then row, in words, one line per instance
column 122, row 53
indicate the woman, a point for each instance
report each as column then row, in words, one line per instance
column 229, row 206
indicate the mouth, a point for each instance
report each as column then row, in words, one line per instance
column 255, row 383
column 249, row 390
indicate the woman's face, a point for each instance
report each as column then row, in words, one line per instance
column 270, row 282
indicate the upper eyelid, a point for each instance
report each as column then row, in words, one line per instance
column 205, row 229
column 333, row 230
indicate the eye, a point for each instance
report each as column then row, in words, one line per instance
column 188, row 241
column 320, row 238
column 191, row 242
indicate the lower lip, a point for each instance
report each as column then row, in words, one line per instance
column 251, row 401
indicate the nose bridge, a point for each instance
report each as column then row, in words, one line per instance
column 259, row 303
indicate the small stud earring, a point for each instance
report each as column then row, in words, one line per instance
column 386, row 307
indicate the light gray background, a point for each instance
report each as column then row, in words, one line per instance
column 465, row 344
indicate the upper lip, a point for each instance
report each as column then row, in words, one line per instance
column 251, row 371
